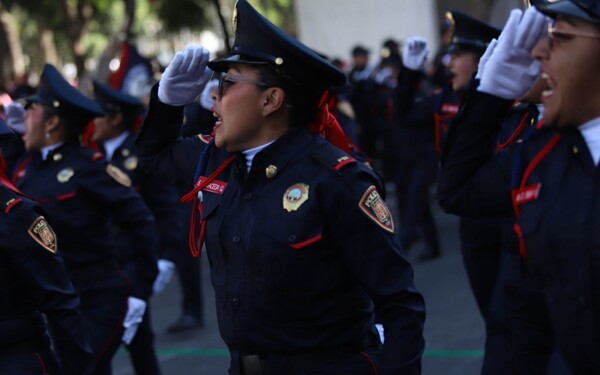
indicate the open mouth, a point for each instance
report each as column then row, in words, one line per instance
column 546, row 94
column 218, row 122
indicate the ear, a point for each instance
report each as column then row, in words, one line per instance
column 273, row 100
column 116, row 120
column 52, row 123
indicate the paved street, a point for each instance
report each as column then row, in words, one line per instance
column 453, row 329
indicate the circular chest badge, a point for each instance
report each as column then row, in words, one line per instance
column 294, row 196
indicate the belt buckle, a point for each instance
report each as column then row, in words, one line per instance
column 252, row 365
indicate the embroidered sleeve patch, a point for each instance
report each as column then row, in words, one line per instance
column 376, row 209
column 119, row 176
column 43, row 234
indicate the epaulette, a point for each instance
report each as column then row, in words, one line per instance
column 89, row 154
column 97, row 156
column 204, row 138
column 332, row 157
column 9, row 199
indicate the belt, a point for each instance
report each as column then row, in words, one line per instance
column 254, row 364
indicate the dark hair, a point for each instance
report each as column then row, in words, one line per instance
column 302, row 100
column 70, row 122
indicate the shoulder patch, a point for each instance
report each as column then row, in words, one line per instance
column 205, row 138
column 117, row 174
column 375, row 208
column 43, row 234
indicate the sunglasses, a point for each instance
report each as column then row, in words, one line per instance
column 556, row 36
column 227, row 80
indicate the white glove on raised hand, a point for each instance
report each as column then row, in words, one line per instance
column 15, row 117
column 414, row 53
column 511, row 70
column 165, row 273
column 485, row 57
column 185, row 77
column 135, row 314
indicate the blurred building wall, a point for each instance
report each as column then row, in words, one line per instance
column 333, row 27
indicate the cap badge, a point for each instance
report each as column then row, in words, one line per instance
column 376, row 209
column 294, row 196
column 43, row 234
column 65, row 175
column 271, row 171
column 131, row 163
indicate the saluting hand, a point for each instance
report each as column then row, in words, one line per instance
column 414, row 53
column 185, row 77
column 511, row 70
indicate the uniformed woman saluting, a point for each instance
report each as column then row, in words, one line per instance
column 302, row 247
column 550, row 182
column 83, row 193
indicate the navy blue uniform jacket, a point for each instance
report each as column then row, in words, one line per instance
column 299, row 281
column 33, row 280
column 75, row 187
column 559, row 212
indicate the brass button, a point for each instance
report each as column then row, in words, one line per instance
column 271, row 171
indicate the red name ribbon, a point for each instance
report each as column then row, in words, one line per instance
column 527, row 193
column 450, row 108
column 217, row 187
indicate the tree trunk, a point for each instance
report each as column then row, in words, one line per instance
column 48, row 47
column 223, row 26
column 9, row 24
column 77, row 18
column 102, row 71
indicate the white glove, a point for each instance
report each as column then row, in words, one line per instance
column 511, row 70
column 385, row 77
column 206, row 100
column 414, row 53
column 165, row 273
column 484, row 59
column 15, row 117
column 185, row 77
column 135, row 314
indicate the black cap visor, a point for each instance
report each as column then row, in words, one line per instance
column 569, row 9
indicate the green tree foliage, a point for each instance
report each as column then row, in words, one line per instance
column 178, row 14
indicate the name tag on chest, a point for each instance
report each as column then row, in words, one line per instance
column 528, row 193
column 216, row 186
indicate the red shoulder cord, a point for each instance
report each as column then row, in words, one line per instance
column 4, row 180
column 192, row 196
column 516, row 133
column 328, row 126
column 530, row 167
column 439, row 128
